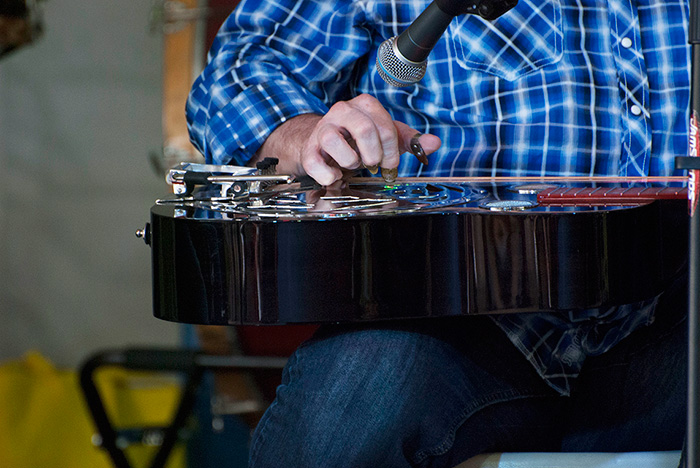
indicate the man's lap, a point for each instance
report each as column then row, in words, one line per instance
column 398, row 393
column 433, row 393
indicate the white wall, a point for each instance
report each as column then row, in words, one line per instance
column 79, row 112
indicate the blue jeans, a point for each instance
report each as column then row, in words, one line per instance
column 433, row 393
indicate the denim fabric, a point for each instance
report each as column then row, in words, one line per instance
column 634, row 397
column 434, row 393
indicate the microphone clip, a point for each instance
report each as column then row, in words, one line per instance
column 487, row 9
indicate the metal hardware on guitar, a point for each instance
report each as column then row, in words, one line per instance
column 421, row 247
column 233, row 181
column 260, row 192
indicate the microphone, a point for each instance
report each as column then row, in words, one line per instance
column 402, row 59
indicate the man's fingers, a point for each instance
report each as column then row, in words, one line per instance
column 366, row 135
column 360, row 132
column 429, row 143
column 386, row 153
column 338, row 144
column 320, row 166
column 362, row 127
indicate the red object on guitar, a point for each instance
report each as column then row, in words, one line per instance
column 608, row 196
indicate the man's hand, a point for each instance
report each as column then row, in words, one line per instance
column 354, row 133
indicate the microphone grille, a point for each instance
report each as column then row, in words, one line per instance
column 395, row 69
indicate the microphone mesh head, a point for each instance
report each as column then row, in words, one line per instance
column 395, row 69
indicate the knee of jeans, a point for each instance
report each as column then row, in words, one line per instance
column 351, row 396
column 375, row 373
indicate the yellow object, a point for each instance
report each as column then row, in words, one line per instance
column 45, row 422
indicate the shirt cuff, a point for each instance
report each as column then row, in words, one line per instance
column 238, row 129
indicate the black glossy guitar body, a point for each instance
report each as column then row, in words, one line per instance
column 215, row 264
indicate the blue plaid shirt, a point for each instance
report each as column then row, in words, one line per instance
column 553, row 87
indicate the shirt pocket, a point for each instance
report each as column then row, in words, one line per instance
column 518, row 43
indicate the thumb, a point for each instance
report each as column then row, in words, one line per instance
column 430, row 143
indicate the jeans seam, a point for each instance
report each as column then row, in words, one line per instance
column 470, row 410
column 263, row 423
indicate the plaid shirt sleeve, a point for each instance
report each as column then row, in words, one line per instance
column 269, row 62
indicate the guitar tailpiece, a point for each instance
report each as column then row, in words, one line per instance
column 233, row 181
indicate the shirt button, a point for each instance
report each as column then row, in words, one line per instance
column 626, row 42
column 636, row 110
